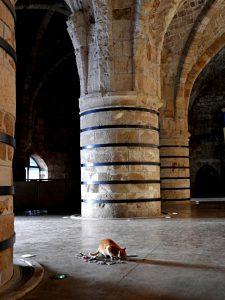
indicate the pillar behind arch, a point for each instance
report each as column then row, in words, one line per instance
column 175, row 170
column 119, row 157
column 7, row 142
column 175, row 177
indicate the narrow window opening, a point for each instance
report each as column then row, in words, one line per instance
column 36, row 169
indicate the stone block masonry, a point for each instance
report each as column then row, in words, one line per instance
column 120, row 169
column 7, row 142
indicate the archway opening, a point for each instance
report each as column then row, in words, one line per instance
column 207, row 148
column 207, row 183
column 48, row 123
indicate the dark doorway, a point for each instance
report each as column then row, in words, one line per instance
column 207, row 182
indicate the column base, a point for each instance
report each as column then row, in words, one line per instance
column 123, row 210
column 180, row 208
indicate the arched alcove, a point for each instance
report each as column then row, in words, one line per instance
column 206, row 128
column 48, row 89
column 207, row 182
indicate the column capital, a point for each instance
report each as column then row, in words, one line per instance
column 127, row 98
column 174, row 137
column 171, row 128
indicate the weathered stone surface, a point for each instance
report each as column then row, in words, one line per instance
column 123, row 210
column 8, row 91
column 99, row 174
column 176, row 195
column 152, row 189
column 6, row 205
column 7, row 121
column 6, row 225
column 6, row 258
column 122, row 117
column 5, row 175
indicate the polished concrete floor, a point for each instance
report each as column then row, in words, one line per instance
column 174, row 258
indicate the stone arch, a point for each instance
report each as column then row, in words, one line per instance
column 152, row 22
column 205, row 43
column 175, row 43
column 193, row 29
column 61, row 8
column 183, row 103
column 205, row 118
column 40, row 161
column 185, row 40
column 197, row 68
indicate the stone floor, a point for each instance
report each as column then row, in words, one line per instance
column 176, row 258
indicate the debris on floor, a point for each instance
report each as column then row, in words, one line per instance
column 36, row 212
column 99, row 260
column 28, row 255
column 59, row 276
column 168, row 215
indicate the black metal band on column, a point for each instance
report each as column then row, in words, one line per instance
column 143, row 200
column 174, row 167
column 7, row 243
column 93, row 146
column 124, row 126
column 175, row 178
column 120, row 182
column 7, row 190
column 121, row 163
column 115, row 108
column 175, row 188
column 177, row 199
column 8, row 49
column 10, row 7
column 7, row 139
column 174, row 156
column 174, row 146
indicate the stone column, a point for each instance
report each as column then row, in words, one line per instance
column 7, row 142
column 175, row 173
column 119, row 156
column 119, row 123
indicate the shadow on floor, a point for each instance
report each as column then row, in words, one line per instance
column 177, row 264
column 76, row 288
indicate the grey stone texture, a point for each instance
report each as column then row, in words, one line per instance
column 177, row 258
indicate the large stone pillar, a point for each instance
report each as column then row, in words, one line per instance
column 119, row 156
column 7, row 142
column 119, row 122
